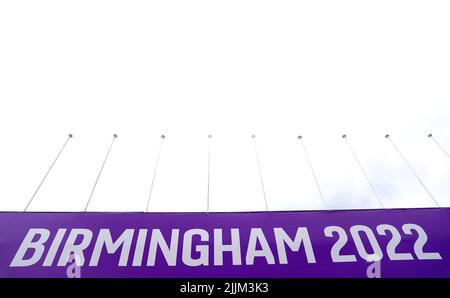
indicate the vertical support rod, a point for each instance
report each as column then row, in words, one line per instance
column 412, row 170
column 362, row 170
column 48, row 172
column 313, row 173
column 260, row 173
column 209, row 173
column 100, row 172
column 439, row 145
column 155, row 171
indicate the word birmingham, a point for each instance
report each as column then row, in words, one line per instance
column 32, row 250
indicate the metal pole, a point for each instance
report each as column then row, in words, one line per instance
column 312, row 172
column 154, row 172
column 48, row 171
column 362, row 170
column 439, row 145
column 209, row 172
column 260, row 173
column 100, row 172
column 412, row 170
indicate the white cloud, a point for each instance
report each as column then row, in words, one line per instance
column 234, row 68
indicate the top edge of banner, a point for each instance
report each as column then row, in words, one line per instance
column 225, row 212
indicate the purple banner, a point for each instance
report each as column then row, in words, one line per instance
column 345, row 243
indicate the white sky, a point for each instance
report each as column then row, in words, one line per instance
column 187, row 69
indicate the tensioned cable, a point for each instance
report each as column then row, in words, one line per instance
column 313, row 173
column 48, row 171
column 362, row 170
column 439, row 145
column 209, row 172
column 260, row 172
column 100, row 172
column 155, row 171
column 412, row 170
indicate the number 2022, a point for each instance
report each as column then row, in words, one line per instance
column 394, row 241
